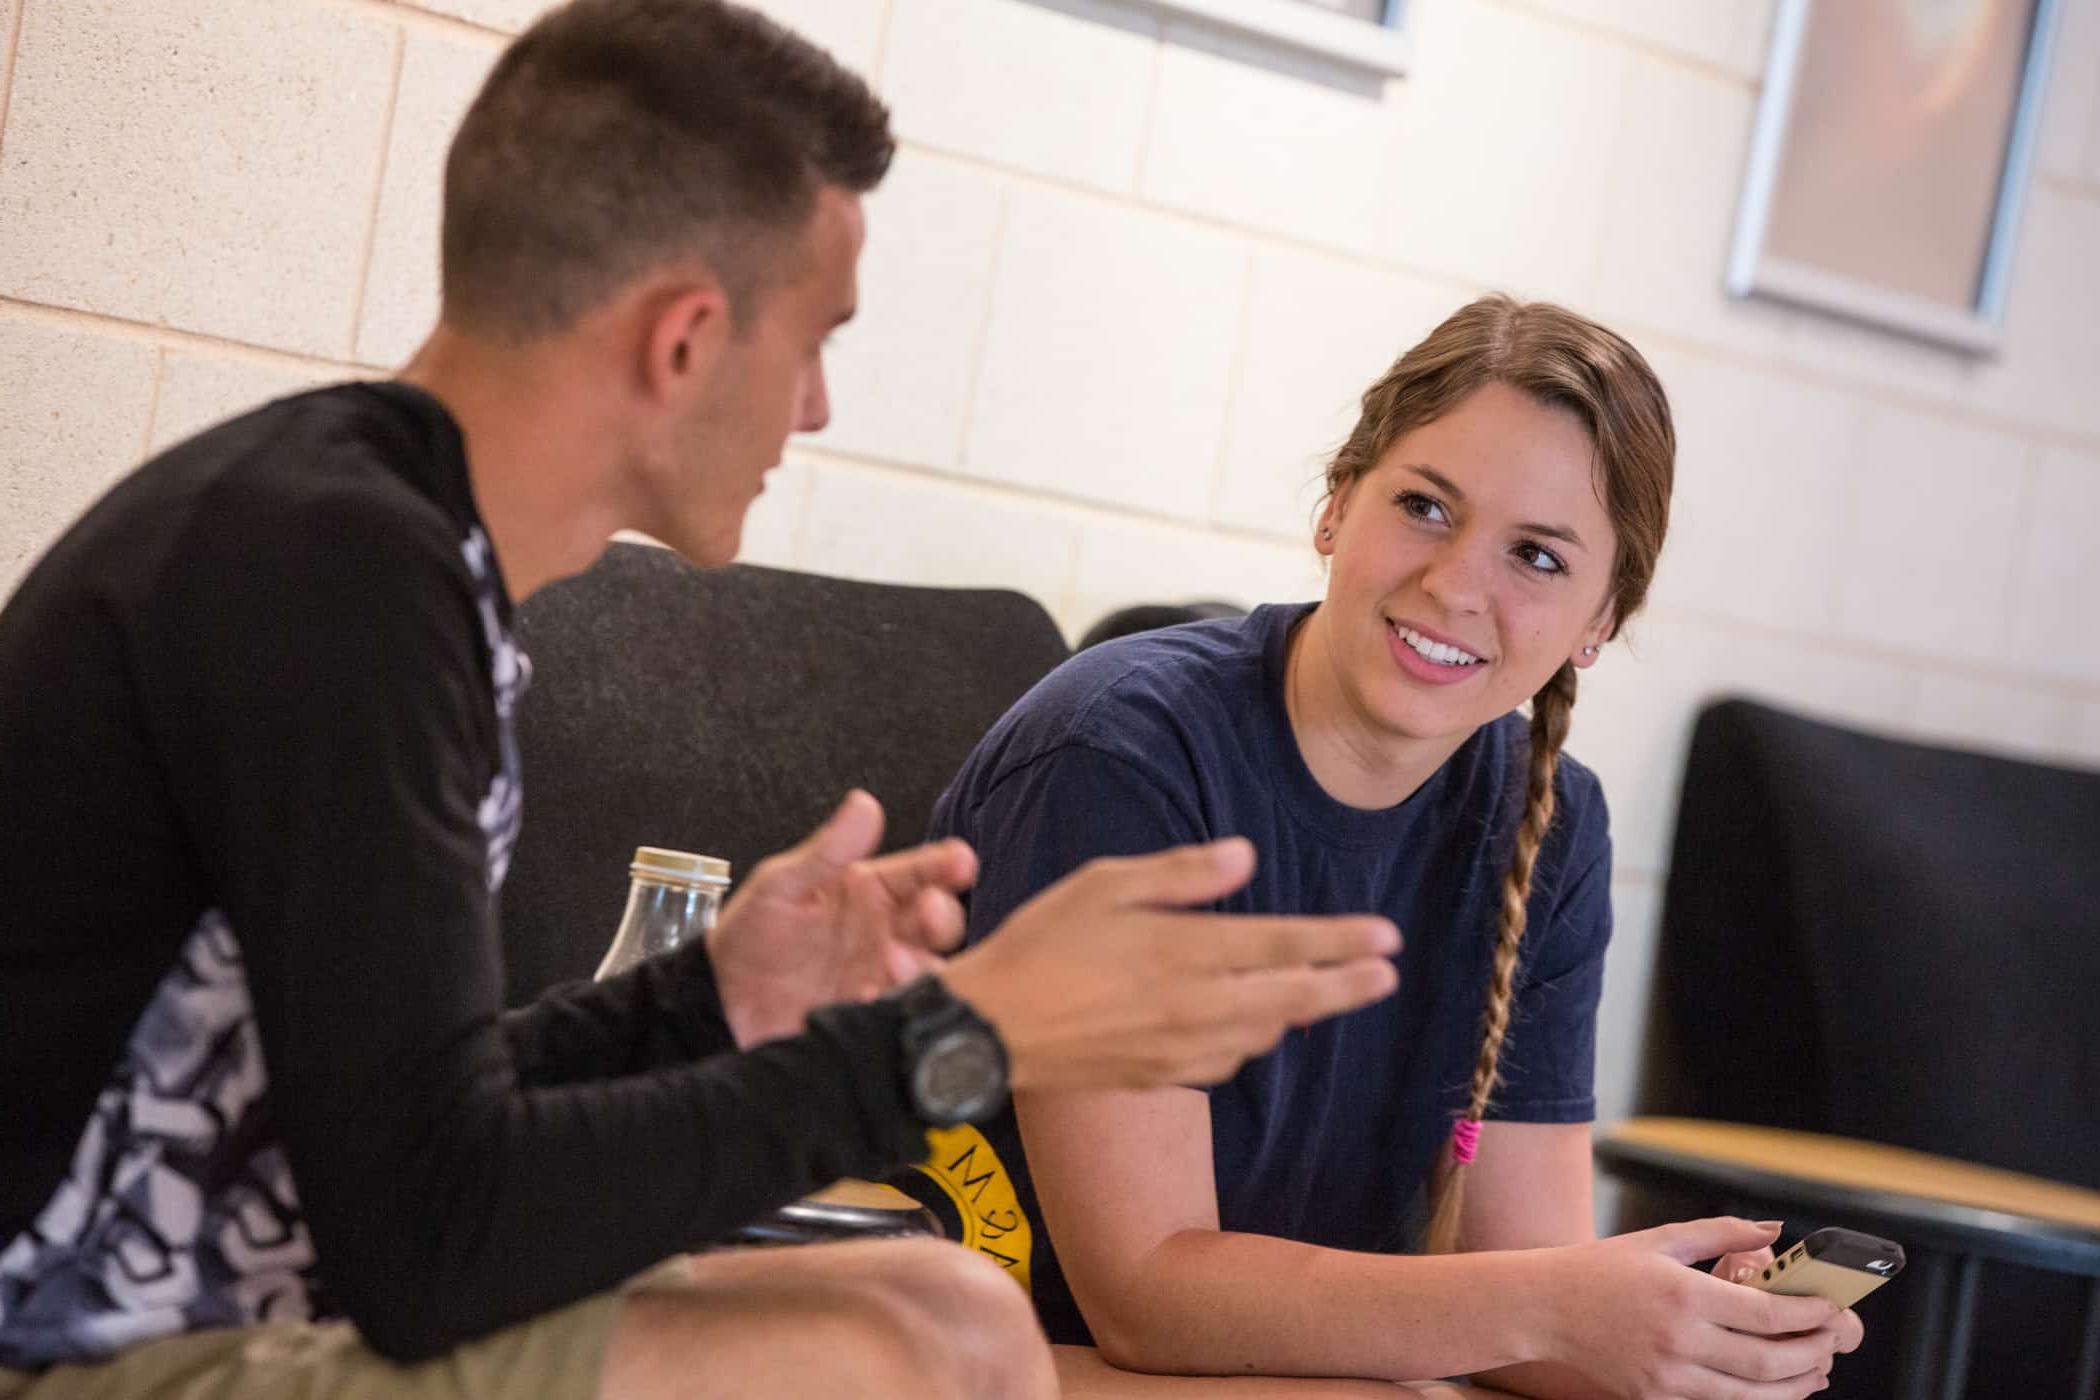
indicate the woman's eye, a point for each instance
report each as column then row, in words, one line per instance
column 1419, row 506
column 1539, row 558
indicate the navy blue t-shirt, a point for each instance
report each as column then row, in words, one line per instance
column 1181, row 735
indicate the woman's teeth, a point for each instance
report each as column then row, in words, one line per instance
column 1439, row 652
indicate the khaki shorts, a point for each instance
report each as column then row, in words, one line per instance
column 556, row 1356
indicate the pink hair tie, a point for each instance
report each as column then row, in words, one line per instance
column 1465, row 1140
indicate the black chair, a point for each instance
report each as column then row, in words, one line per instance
column 1896, row 943
column 726, row 712
column 1144, row 617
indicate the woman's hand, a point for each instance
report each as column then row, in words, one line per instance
column 1632, row 1317
column 1741, row 1266
column 823, row 923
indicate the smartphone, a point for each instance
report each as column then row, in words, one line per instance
column 1841, row 1265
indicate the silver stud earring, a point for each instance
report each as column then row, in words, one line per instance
column 1589, row 651
column 1326, row 533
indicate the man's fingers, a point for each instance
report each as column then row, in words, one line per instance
column 946, row 865
column 850, row 833
column 936, row 922
column 865, row 919
column 1225, row 943
column 1276, row 1000
column 1169, row 879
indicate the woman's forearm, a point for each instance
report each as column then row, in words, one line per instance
column 1209, row 1302
column 1544, row 1380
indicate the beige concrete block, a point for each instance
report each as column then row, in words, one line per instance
column 2049, row 625
column 1730, row 34
column 1762, row 462
column 1253, row 134
column 1622, row 1020
column 2085, row 748
column 850, row 29
column 1505, row 121
column 74, row 421
column 439, row 79
column 2071, row 111
column 1629, row 980
column 1056, row 87
column 900, row 373
column 197, row 391
column 1110, row 348
column 773, row 526
column 1122, row 562
column 10, row 15
column 215, row 174
column 1929, row 534
column 510, row 16
column 2051, row 359
column 1669, row 183
column 1821, row 344
column 893, row 528
column 1633, row 721
column 2001, row 717
column 1318, row 332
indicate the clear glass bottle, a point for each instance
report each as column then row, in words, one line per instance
column 675, row 899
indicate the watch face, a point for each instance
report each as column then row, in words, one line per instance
column 958, row 1076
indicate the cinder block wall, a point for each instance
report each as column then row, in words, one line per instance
column 1120, row 295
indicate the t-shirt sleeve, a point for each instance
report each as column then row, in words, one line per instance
column 324, row 712
column 1549, row 1061
column 1047, row 817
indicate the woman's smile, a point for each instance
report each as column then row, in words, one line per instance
column 1431, row 658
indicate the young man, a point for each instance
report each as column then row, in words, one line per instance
column 257, row 760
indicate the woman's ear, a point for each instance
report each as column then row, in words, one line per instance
column 1591, row 644
column 1330, row 522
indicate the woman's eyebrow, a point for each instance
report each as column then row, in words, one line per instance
column 1450, row 488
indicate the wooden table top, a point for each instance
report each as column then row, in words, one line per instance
column 1866, row 1166
column 1946, row 1207
column 1083, row 1375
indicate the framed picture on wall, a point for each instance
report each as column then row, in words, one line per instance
column 1890, row 161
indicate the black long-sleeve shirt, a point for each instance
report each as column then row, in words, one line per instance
column 257, row 793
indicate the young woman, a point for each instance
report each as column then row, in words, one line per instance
column 1404, row 1191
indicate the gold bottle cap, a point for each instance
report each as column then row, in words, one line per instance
column 678, row 867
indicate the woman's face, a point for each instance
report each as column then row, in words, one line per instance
column 1466, row 566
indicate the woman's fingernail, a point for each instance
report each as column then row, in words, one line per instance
column 1742, row 1272
column 1771, row 1224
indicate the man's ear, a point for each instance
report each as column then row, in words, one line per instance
column 685, row 328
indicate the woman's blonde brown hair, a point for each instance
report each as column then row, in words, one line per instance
column 1567, row 362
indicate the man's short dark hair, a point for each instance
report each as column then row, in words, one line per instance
column 615, row 135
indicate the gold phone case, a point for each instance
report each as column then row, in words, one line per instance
column 1843, row 1266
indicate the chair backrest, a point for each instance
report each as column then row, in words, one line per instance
column 726, row 712
column 1883, row 939
column 1895, row 942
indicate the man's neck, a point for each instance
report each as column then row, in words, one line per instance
column 538, row 460
column 1353, row 760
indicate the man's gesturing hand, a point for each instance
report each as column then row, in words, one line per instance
column 822, row 923
column 1105, row 980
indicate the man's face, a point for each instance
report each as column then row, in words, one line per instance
column 768, row 383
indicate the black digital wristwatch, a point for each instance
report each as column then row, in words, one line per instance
column 954, row 1063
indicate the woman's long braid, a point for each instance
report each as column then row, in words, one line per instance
column 1551, row 710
